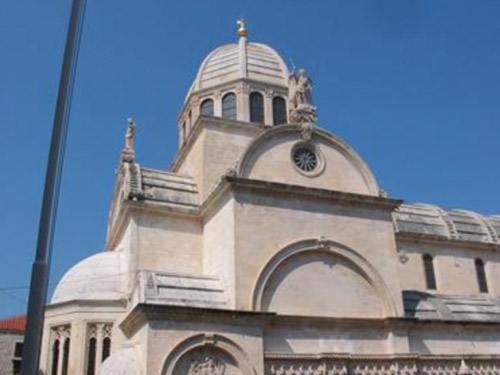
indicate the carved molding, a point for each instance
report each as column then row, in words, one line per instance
column 269, row 92
column 61, row 332
column 243, row 88
column 384, row 365
column 99, row 331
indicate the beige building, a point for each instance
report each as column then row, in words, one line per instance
column 269, row 249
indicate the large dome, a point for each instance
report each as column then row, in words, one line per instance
column 253, row 61
column 98, row 277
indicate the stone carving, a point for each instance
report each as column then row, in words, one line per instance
column 306, row 131
column 207, row 364
column 150, row 282
column 300, row 98
column 464, row 369
column 135, row 191
column 128, row 153
column 323, row 243
column 352, row 365
column 231, row 172
column 99, row 330
column 61, row 332
column 300, row 86
column 107, row 330
column 243, row 88
column 403, row 257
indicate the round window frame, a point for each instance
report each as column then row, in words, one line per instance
column 320, row 166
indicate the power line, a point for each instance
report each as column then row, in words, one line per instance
column 73, row 281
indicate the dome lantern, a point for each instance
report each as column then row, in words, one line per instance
column 238, row 70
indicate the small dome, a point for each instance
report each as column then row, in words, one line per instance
column 230, row 62
column 121, row 362
column 98, row 277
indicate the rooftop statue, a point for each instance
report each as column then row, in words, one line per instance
column 300, row 98
column 129, row 136
column 300, row 89
column 128, row 153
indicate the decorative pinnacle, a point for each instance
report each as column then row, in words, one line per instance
column 242, row 31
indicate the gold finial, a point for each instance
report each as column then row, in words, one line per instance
column 242, row 31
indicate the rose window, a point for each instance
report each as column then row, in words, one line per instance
column 305, row 159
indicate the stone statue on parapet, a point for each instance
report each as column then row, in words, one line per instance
column 300, row 88
column 128, row 153
column 300, row 98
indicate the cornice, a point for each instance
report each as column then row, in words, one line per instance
column 335, row 196
column 144, row 313
column 440, row 241
column 232, row 183
column 402, row 356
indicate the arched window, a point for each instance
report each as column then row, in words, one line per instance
column 55, row 357
column 65, row 357
column 481, row 276
column 98, row 345
column 59, row 349
column 430, row 277
column 256, row 108
column 106, row 348
column 91, row 356
column 279, row 111
column 229, row 106
column 207, row 107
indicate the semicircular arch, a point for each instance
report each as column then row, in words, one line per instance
column 356, row 261
column 273, row 137
column 218, row 349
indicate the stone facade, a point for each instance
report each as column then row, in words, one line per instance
column 8, row 355
column 269, row 249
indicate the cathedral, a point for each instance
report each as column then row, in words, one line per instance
column 268, row 248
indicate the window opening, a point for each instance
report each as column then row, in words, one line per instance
column 98, row 345
column 256, row 108
column 229, row 106
column 207, row 107
column 279, row 111
column 91, row 356
column 305, row 159
column 481, row 276
column 430, row 277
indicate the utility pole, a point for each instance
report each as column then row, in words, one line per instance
column 41, row 265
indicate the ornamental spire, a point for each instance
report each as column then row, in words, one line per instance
column 242, row 31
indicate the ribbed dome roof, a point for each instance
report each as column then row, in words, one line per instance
column 252, row 61
column 99, row 277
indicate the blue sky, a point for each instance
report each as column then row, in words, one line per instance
column 413, row 86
